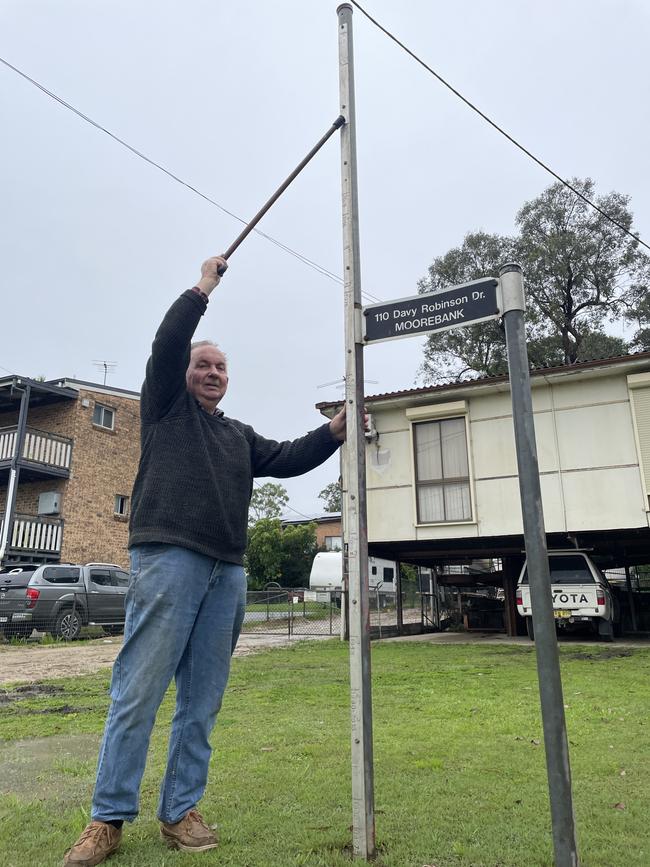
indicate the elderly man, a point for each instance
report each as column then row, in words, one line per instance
column 187, row 591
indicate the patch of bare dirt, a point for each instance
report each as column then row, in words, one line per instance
column 29, row 691
column 602, row 655
column 29, row 663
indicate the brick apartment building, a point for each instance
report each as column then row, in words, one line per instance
column 328, row 529
column 68, row 457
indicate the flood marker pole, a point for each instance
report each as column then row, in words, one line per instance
column 548, row 661
column 354, row 458
column 248, row 228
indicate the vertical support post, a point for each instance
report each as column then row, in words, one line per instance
column 630, row 598
column 14, row 472
column 363, row 810
column 548, row 661
column 289, row 615
column 435, row 601
column 399, row 602
column 510, row 572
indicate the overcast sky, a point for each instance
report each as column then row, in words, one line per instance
column 96, row 243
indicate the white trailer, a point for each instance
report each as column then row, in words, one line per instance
column 327, row 573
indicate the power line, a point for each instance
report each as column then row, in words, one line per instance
column 493, row 124
column 301, row 258
column 287, row 506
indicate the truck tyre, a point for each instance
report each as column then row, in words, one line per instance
column 529, row 628
column 68, row 624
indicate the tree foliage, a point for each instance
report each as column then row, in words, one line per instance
column 640, row 315
column 580, row 272
column 332, row 496
column 267, row 501
column 277, row 554
column 298, row 551
column 263, row 560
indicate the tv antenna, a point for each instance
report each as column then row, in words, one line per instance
column 340, row 383
column 106, row 366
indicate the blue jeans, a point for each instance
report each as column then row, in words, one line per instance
column 183, row 615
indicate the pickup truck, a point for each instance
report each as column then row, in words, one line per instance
column 582, row 596
column 61, row 598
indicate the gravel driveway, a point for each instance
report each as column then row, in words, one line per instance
column 32, row 662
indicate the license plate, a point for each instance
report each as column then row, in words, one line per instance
column 561, row 613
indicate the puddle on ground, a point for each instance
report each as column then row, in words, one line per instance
column 58, row 768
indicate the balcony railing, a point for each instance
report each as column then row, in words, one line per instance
column 40, row 447
column 33, row 535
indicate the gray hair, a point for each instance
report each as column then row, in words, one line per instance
column 198, row 343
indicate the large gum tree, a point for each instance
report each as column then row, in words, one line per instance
column 582, row 273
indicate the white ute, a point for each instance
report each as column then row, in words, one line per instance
column 582, row 595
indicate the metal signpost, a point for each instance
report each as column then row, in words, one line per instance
column 548, row 662
column 363, row 809
column 458, row 306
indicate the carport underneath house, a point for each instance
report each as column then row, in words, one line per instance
column 442, row 485
column 496, row 563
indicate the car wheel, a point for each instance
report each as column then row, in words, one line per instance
column 113, row 630
column 529, row 628
column 68, row 625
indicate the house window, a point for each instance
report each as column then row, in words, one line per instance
column 104, row 416
column 121, row 505
column 442, row 471
column 333, row 543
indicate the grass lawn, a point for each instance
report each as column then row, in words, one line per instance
column 459, row 768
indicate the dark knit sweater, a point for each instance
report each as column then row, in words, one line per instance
column 196, row 471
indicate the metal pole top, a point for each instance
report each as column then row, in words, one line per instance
column 510, row 266
column 512, row 287
column 343, row 6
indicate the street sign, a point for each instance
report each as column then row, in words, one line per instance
column 466, row 304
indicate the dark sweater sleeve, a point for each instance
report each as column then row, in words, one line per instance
column 170, row 355
column 290, row 458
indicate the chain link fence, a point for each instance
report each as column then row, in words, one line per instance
column 67, row 602
column 292, row 613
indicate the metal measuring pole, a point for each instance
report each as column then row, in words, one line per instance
column 539, row 579
column 363, row 810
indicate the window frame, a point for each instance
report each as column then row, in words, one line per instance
column 63, row 570
column 432, row 415
column 126, row 501
column 105, row 572
column 104, row 408
column 115, row 575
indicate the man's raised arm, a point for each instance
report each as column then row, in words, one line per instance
column 170, row 351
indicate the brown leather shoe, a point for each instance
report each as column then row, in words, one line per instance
column 191, row 834
column 98, row 840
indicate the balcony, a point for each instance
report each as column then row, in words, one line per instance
column 35, row 537
column 45, row 455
